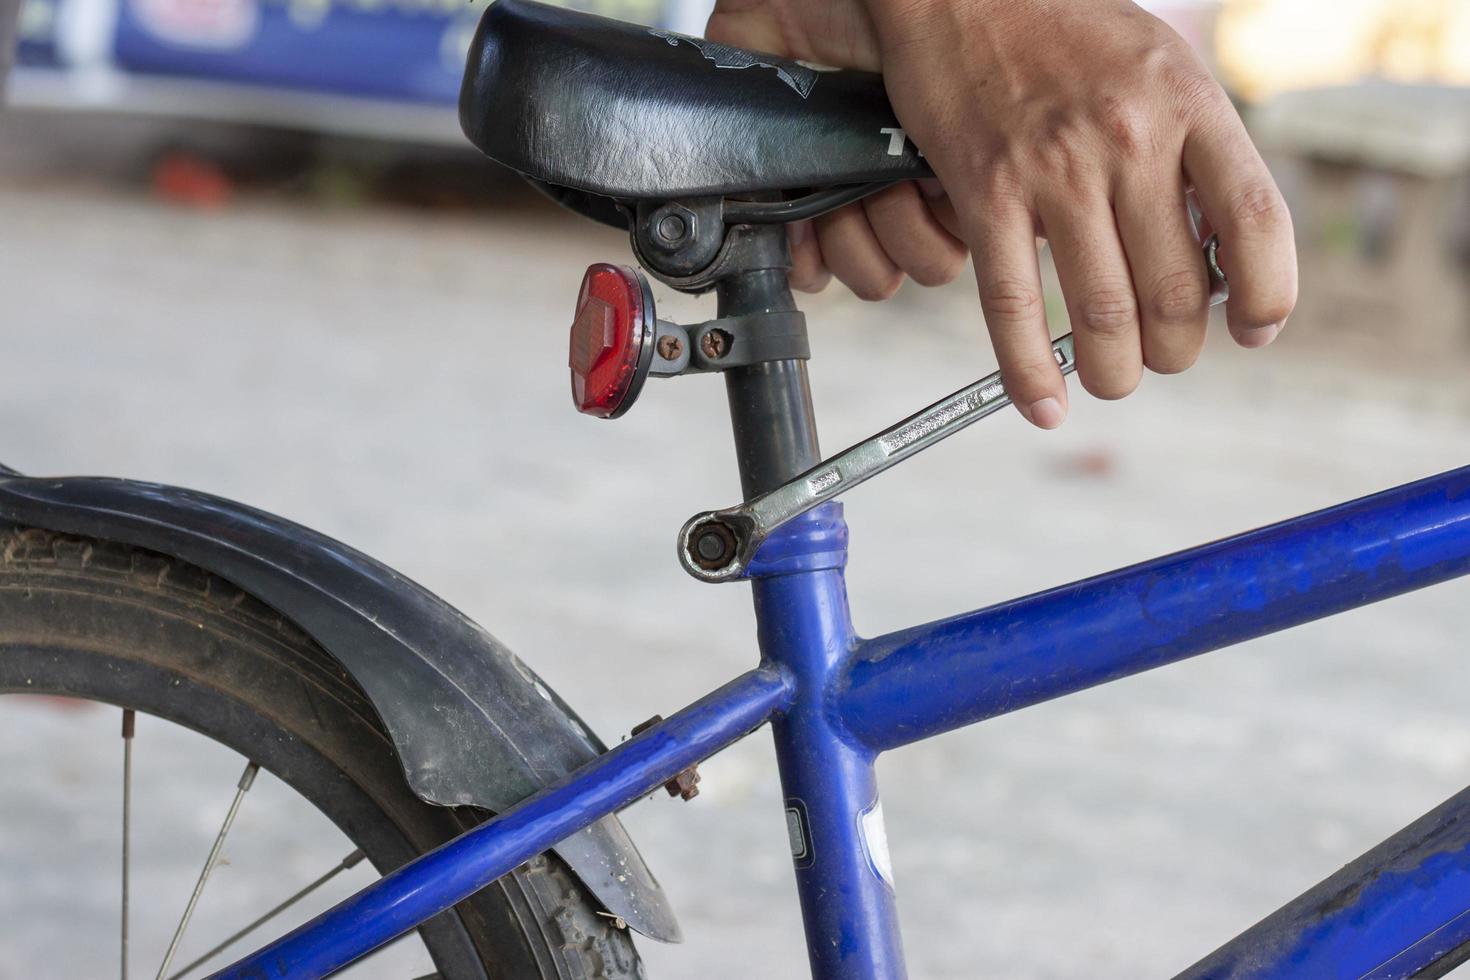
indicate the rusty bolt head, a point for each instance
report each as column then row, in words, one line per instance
column 670, row 347
column 685, row 785
column 712, row 546
column 715, row 344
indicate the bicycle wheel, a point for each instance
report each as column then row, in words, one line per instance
column 124, row 626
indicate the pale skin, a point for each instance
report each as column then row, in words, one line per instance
column 1084, row 122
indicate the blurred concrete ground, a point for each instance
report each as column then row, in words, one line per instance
column 396, row 377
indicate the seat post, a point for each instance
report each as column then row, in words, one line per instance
column 829, row 784
column 771, row 402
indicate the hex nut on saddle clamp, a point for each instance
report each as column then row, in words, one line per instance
column 677, row 240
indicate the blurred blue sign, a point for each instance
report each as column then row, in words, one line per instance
column 397, row 49
column 409, row 51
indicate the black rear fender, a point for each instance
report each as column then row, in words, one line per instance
column 471, row 723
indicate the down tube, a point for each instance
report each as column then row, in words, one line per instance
column 919, row 682
column 1397, row 911
column 452, row 872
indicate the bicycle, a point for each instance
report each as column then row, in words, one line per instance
column 375, row 700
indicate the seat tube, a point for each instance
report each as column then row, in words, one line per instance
column 833, row 819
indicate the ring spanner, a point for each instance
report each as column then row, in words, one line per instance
column 717, row 546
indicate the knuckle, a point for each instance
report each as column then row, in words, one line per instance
column 876, row 288
column 1178, row 297
column 1010, row 301
column 1110, row 312
column 938, row 270
column 892, row 205
column 1028, row 380
column 931, row 275
column 997, row 180
column 1057, row 155
column 1055, row 146
column 1127, row 126
column 1198, row 96
column 811, row 283
column 980, row 161
column 994, row 185
column 1257, row 208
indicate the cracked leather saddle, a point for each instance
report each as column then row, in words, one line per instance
column 596, row 111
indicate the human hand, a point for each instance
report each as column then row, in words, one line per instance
column 1085, row 124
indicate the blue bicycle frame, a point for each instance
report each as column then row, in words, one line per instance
column 835, row 701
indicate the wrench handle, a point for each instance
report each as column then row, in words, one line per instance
column 717, row 546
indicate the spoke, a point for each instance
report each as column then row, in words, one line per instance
column 127, row 818
column 350, row 861
column 246, row 778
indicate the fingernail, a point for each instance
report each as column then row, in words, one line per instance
column 931, row 188
column 1259, row 336
column 799, row 232
column 1047, row 413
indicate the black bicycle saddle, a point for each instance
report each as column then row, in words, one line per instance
column 593, row 105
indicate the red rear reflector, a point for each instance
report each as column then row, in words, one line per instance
column 611, row 341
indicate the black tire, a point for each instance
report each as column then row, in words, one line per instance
column 129, row 627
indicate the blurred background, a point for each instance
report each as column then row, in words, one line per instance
column 244, row 248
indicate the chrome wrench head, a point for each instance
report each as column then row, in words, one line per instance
column 717, row 545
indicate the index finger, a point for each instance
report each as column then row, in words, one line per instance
column 1244, row 206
